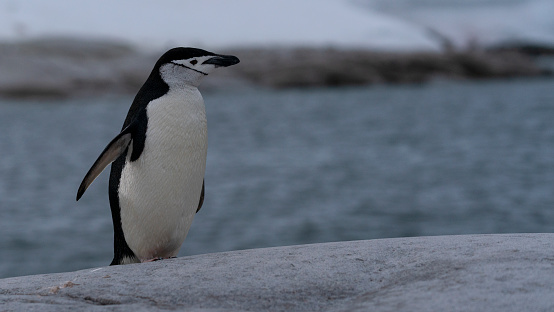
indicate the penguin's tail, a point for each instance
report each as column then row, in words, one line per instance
column 125, row 259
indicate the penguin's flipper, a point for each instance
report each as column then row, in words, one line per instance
column 201, row 198
column 116, row 147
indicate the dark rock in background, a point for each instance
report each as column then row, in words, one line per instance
column 60, row 67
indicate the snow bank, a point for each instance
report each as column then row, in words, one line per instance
column 213, row 23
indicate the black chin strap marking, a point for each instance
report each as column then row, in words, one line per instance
column 189, row 68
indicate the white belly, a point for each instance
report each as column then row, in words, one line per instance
column 159, row 192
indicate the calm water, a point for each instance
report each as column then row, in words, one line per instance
column 294, row 167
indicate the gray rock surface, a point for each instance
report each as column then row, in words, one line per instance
column 511, row 272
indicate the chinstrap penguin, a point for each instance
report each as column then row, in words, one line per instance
column 156, row 182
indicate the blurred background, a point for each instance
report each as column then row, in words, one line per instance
column 345, row 120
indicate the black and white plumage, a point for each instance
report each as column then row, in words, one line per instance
column 157, row 176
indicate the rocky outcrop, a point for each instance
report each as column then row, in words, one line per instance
column 67, row 67
column 333, row 67
column 511, row 272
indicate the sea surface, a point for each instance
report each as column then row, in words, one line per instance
column 293, row 167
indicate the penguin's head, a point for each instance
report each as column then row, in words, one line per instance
column 187, row 66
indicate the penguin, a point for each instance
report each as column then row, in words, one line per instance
column 158, row 159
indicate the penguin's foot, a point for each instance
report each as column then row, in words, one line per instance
column 152, row 260
column 158, row 259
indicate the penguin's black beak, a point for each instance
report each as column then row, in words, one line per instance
column 222, row 60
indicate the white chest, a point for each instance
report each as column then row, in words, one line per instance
column 160, row 191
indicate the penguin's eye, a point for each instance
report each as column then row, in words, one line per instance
column 193, row 62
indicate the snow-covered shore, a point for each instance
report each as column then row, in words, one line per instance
column 62, row 67
column 281, row 44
